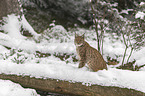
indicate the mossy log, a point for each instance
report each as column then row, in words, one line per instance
column 65, row 87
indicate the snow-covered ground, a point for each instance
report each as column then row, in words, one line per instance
column 8, row 88
column 57, row 69
column 52, row 67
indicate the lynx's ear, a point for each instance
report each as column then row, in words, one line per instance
column 76, row 35
column 83, row 35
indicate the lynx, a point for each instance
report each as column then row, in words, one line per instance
column 89, row 55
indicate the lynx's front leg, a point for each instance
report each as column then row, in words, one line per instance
column 81, row 64
column 82, row 61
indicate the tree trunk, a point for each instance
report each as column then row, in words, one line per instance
column 65, row 87
column 8, row 7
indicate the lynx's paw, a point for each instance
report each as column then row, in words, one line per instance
column 81, row 65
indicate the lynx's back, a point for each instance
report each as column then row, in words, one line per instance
column 89, row 55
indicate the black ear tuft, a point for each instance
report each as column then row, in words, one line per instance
column 76, row 34
column 83, row 35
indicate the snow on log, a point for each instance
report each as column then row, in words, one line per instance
column 65, row 87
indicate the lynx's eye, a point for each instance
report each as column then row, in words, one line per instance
column 79, row 42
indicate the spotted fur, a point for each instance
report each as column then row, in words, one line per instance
column 89, row 55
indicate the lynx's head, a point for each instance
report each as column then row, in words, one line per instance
column 79, row 40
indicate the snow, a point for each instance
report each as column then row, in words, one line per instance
column 139, row 56
column 57, row 69
column 140, row 15
column 27, row 26
column 142, row 3
column 8, row 88
column 126, row 11
column 52, row 67
column 12, row 27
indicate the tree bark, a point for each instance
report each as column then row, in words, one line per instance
column 65, row 87
column 8, row 7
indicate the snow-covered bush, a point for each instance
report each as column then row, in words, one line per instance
column 19, row 57
column 16, row 56
column 56, row 33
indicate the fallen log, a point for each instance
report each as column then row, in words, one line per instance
column 70, row 88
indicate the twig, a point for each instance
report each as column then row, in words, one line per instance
column 130, row 55
column 126, row 47
column 96, row 27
